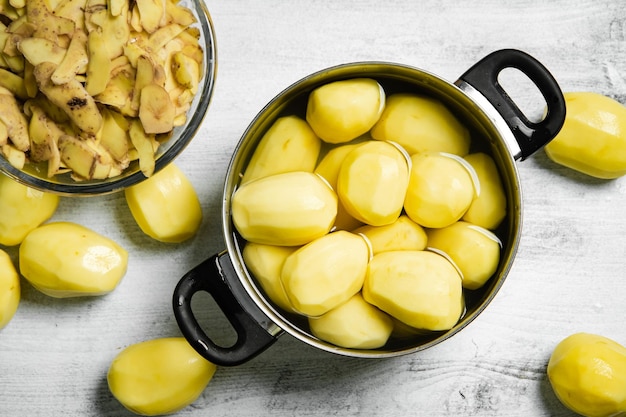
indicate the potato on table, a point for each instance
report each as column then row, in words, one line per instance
column 9, row 289
column 593, row 137
column 588, row 375
column 64, row 259
column 159, row 376
column 166, row 206
column 22, row 209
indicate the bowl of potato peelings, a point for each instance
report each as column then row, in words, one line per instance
column 96, row 100
column 370, row 210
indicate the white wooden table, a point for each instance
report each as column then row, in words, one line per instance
column 568, row 276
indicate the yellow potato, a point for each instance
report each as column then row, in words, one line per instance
column 344, row 110
column 166, row 206
column 489, row 208
column 63, row 259
column 420, row 288
column 355, row 324
column 329, row 168
column 473, row 249
column 593, row 137
column 289, row 145
column 22, row 209
column 441, row 189
column 266, row 263
column 372, row 182
column 325, row 273
column 330, row 164
column 289, row 209
column 588, row 375
column 9, row 289
column 159, row 376
column 421, row 124
column 403, row 234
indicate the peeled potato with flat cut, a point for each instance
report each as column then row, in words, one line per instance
column 474, row 250
column 289, row 145
column 165, row 206
column 420, row 288
column 325, row 273
column 372, row 182
column 355, row 324
column 441, row 189
column 64, row 259
column 403, row 234
column 22, row 209
column 9, row 289
column 488, row 208
column 344, row 110
column 266, row 263
column 289, row 209
column 421, row 124
column 159, row 376
column 593, row 137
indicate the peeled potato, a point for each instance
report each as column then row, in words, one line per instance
column 441, row 189
column 355, row 324
column 289, row 209
column 403, row 234
column 372, row 182
column 325, row 273
column 473, row 249
column 9, row 289
column 344, row 110
column 266, row 263
column 593, row 137
column 488, row 208
column 421, row 124
column 420, row 288
column 159, row 376
column 165, row 206
column 63, row 259
column 22, row 209
column 588, row 375
column 329, row 168
column 289, row 145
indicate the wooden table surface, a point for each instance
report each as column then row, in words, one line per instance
column 568, row 276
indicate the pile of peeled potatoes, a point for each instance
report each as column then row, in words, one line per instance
column 370, row 216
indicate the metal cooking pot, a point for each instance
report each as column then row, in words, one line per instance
column 478, row 101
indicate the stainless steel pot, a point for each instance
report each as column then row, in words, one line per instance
column 476, row 98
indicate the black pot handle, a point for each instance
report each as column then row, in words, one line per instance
column 483, row 76
column 255, row 332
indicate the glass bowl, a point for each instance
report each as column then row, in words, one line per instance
column 36, row 177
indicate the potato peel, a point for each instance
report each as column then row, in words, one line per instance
column 76, row 62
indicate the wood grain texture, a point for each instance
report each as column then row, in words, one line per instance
column 568, row 275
